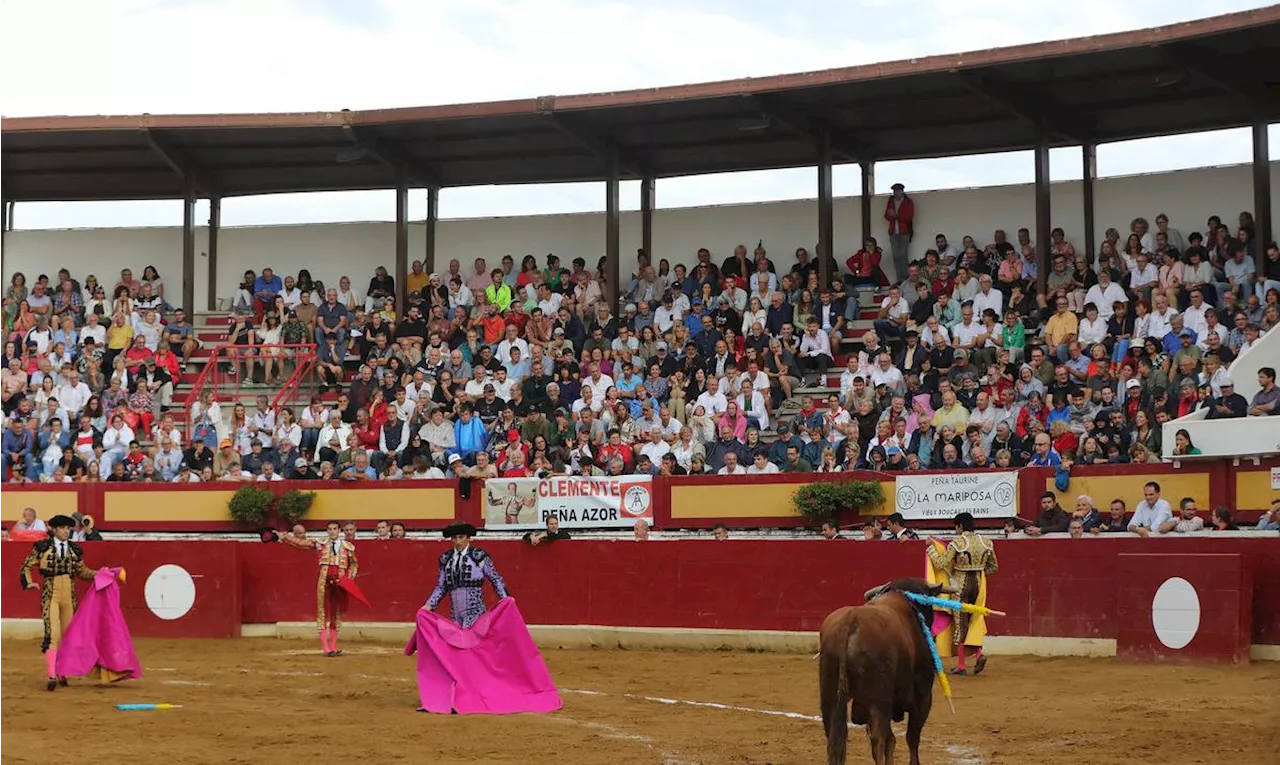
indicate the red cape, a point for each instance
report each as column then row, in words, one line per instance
column 350, row 587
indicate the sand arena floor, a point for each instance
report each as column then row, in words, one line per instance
column 264, row 700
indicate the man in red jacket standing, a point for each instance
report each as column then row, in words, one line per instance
column 900, row 212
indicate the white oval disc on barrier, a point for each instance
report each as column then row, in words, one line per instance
column 1175, row 613
column 170, row 592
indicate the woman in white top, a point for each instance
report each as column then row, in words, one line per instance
column 287, row 430
column 241, row 433
column 685, row 448
column 151, row 276
column 45, row 392
column 119, row 372
column 345, row 295
column 755, row 312
column 1092, row 328
column 269, row 335
column 207, row 412
column 122, row 302
column 751, row 403
column 701, row 426
column 150, row 328
column 1141, row 322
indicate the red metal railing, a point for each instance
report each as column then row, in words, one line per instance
column 233, row 357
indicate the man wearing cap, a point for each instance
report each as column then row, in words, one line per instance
column 462, row 571
column 58, row 559
column 900, row 212
column 1229, row 404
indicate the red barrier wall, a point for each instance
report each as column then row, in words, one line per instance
column 763, row 501
column 215, row 569
column 1049, row 587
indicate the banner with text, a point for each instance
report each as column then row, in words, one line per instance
column 518, row 504
column 941, row 496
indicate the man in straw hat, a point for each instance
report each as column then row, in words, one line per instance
column 463, row 570
column 58, row 560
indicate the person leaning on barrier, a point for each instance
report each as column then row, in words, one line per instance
column 551, row 533
column 1152, row 513
column 1114, row 523
column 1053, row 519
column 1270, row 520
column 1267, row 400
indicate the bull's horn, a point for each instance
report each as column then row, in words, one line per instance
column 950, row 589
column 871, row 593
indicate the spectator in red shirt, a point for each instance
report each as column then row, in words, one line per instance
column 865, row 264
column 615, row 448
column 137, row 355
column 900, row 212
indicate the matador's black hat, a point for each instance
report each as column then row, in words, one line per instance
column 456, row 529
column 61, row 521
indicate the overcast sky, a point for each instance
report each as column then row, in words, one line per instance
column 202, row 56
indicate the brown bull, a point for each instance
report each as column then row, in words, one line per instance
column 876, row 658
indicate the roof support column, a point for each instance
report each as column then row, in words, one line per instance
column 826, row 210
column 868, row 192
column 648, row 199
column 402, row 240
column 433, row 222
column 1090, row 157
column 1261, row 191
column 189, row 250
column 612, row 235
column 215, row 224
column 1043, row 218
column 6, row 218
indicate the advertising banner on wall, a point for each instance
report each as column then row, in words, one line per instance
column 518, row 504
column 942, row 495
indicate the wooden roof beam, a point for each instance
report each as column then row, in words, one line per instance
column 395, row 157
column 852, row 147
column 1037, row 110
column 182, row 166
column 604, row 148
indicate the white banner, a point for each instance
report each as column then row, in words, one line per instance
column 937, row 496
column 518, row 504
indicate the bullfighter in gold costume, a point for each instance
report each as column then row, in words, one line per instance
column 58, row 559
column 965, row 562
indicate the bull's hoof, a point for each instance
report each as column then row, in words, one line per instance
column 958, row 672
column 981, row 665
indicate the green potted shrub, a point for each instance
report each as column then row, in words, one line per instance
column 823, row 500
column 251, row 504
column 293, row 505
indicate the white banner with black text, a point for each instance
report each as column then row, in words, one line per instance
column 938, row 496
column 518, row 504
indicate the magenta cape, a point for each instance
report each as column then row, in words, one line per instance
column 492, row 668
column 97, row 637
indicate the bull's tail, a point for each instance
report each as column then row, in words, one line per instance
column 834, row 685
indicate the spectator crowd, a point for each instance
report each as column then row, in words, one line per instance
column 522, row 371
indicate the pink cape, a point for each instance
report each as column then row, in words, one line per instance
column 97, row 637
column 492, row 668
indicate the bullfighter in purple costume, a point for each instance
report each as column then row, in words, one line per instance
column 462, row 573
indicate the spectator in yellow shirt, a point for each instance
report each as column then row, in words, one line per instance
column 951, row 413
column 119, row 338
column 1061, row 330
